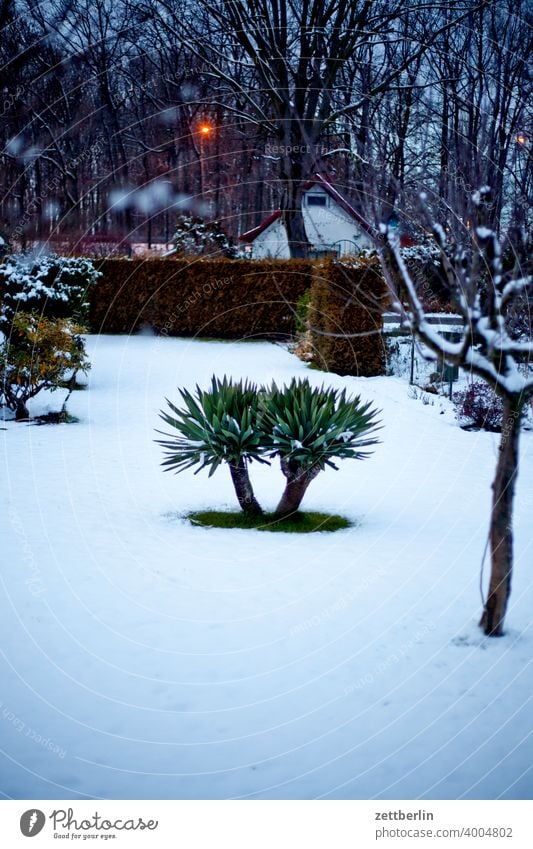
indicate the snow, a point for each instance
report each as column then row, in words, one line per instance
column 479, row 194
column 485, row 233
column 143, row 657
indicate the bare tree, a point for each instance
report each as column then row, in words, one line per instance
column 101, row 96
column 484, row 84
column 483, row 295
column 283, row 60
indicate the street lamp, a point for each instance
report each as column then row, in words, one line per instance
column 204, row 131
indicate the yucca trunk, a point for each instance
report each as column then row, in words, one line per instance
column 298, row 480
column 244, row 489
column 501, row 523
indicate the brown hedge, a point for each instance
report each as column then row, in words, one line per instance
column 239, row 299
column 198, row 297
column 345, row 317
column 249, row 298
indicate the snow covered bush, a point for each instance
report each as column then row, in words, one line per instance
column 53, row 286
column 478, row 406
column 307, row 428
column 235, row 423
column 195, row 236
column 39, row 353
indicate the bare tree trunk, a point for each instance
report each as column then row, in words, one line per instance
column 293, row 220
column 501, row 523
column 298, row 480
column 244, row 489
column 21, row 412
column 295, row 170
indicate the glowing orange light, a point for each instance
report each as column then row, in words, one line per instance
column 205, row 129
column 521, row 138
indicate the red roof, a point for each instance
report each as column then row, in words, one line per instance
column 250, row 235
column 319, row 180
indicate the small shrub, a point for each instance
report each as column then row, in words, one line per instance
column 302, row 312
column 40, row 353
column 425, row 265
column 5, row 246
column 196, row 237
column 519, row 319
column 478, row 407
column 303, row 349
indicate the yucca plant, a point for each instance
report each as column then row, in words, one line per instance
column 307, row 428
column 214, row 427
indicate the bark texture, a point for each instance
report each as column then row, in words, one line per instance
column 501, row 523
column 292, row 178
column 298, row 480
column 244, row 489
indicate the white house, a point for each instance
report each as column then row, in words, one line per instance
column 331, row 223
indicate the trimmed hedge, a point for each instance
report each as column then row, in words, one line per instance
column 222, row 298
column 238, row 299
column 345, row 317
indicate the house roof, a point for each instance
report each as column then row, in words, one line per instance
column 250, row 235
column 321, row 181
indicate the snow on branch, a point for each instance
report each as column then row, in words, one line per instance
column 482, row 293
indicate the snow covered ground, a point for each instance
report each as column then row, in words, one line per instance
column 142, row 657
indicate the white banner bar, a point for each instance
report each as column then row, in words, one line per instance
column 268, row 824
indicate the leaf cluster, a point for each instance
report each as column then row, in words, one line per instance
column 215, row 426
column 235, row 422
column 308, row 426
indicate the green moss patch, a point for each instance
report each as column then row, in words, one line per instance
column 298, row 523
